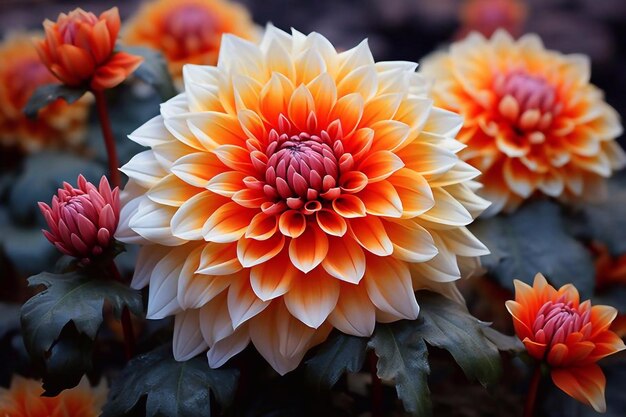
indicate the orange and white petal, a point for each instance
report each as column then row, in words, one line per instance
column 585, row 384
column 312, row 297
column 188, row 341
column 354, row 313
column 345, row 260
column 273, row 278
column 309, row 249
column 389, row 286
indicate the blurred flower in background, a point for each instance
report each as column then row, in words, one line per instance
column 58, row 125
column 187, row 31
column 293, row 189
column 23, row 399
column 79, row 49
column 568, row 335
column 533, row 122
column 487, row 16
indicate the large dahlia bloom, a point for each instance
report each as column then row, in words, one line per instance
column 23, row 399
column 568, row 335
column 21, row 72
column 533, row 122
column 292, row 189
column 188, row 31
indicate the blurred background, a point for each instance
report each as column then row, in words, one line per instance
column 409, row 29
column 396, row 30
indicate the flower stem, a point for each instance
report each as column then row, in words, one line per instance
column 109, row 140
column 127, row 324
column 529, row 407
column 377, row 387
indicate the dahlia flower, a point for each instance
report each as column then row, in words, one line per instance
column 23, row 399
column 82, row 220
column 79, row 49
column 533, row 122
column 292, row 189
column 487, row 16
column 21, row 72
column 568, row 335
column 187, row 31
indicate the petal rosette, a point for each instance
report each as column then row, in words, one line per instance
column 295, row 189
column 569, row 335
column 533, row 122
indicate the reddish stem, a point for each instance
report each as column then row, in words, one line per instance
column 529, row 407
column 127, row 324
column 109, row 139
column 377, row 387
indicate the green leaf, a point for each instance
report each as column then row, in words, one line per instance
column 605, row 220
column 503, row 342
column 171, row 388
column 403, row 360
column 531, row 240
column 76, row 297
column 448, row 325
column 69, row 359
column 339, row 354
column 49, row 93
column 153, row 70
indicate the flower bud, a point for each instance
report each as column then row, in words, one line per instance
column 83, row 220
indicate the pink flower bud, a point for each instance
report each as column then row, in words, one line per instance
column 83, row 220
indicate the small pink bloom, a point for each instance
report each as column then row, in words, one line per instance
column 83, row 220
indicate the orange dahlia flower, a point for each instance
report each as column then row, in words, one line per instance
column 21, row 72
column 533, row 122
column 609, row 270
column 568, row 335
column 23, row 399
column 188, row 31
column 79, row 50
column 487, row 16
column 292, row 189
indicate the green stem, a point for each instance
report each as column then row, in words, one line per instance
column 109, row 139
column 127, row 324
column 531, row 397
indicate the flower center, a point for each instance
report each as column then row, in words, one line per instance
column 191, row 26
column 298, row 170
column 69, row 26
column 529, row 102
column 557, row 319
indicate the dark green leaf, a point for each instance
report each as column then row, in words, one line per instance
column 605, row 221
column 153, row 70
column 339, row 354
column 448, row 325
column 69, row 359
column 502, row 341
column 531, row 240
column 76, row 297
column 171, row 388
column 49, row 93
column 403, row 360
